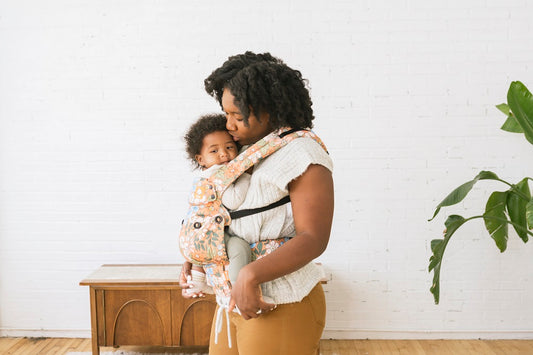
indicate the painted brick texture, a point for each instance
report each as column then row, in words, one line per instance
column 95, row 97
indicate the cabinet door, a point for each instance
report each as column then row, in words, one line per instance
column 191, row 319
column 137, row 317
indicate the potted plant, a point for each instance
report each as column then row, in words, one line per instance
column 503, row 208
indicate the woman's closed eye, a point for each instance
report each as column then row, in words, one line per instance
column 234, row 116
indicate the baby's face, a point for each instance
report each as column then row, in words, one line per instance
column 217, row 148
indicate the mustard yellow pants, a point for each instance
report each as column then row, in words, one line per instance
column 291, row 329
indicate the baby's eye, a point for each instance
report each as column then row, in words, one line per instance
column 213, row 151
column 230, row 147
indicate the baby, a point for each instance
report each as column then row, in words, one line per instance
column 209, row 145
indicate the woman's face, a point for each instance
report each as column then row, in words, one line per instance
column 256, row 129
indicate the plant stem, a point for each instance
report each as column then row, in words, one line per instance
column 515, row 190
column 501, row 220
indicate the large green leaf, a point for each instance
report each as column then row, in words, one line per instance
column 437, row 247
column 460, row 193
column 504, row 108
column 520, row 101
column 510, row 125
column 495, row 219
column 529, row 214
column 516, row 207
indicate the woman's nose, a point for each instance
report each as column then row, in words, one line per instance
column 230, row 124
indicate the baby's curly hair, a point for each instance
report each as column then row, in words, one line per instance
column 194, row 137
column 264, row 83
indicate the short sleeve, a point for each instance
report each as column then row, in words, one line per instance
column 294, row 159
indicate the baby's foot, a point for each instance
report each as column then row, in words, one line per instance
column 198, row 283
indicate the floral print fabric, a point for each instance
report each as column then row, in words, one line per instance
column 201, row 236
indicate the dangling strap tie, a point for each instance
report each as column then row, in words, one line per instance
column 222, row 308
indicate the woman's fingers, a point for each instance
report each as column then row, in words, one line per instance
column 185, row 273
column 265, row 307
column 261, row 308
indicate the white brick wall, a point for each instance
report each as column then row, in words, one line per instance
column 95, row 96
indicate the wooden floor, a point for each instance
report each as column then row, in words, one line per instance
column 60, row 346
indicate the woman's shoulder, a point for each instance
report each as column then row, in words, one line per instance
column 293, row 160
column 308, row 150
column 306, row 142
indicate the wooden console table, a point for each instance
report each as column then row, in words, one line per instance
column 142, row 305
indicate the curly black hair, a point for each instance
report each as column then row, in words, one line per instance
column 206, row 124
column 264, row 83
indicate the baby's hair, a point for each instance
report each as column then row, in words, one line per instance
column 205, row 125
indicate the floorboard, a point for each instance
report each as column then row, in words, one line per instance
column 61, row 346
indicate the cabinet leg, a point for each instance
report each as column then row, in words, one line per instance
column 94, row 323
column 96, row 348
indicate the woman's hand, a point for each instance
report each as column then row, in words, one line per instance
column 312, row 207
column 246, row 295
column 185, row 277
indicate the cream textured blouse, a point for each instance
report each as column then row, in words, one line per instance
column 269, row 183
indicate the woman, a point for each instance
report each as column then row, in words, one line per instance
column 260, row 94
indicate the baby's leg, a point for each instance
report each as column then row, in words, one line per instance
column 239, row 255
column 198, row 268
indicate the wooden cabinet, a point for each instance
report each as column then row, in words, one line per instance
column 142, row 305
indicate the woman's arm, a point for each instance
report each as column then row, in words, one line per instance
column 312, row 205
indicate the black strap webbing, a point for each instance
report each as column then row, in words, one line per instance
column 250, row 211
column 284, row 200
column 289, row 132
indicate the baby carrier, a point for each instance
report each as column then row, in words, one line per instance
column 202, row 232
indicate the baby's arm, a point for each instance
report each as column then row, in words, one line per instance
column 234, row 195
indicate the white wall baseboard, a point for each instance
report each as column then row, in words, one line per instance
column 419, row 334
column 328, row 334
column 46, row 333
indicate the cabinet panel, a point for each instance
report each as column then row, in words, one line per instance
column 191, row 319
column 137, row 317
